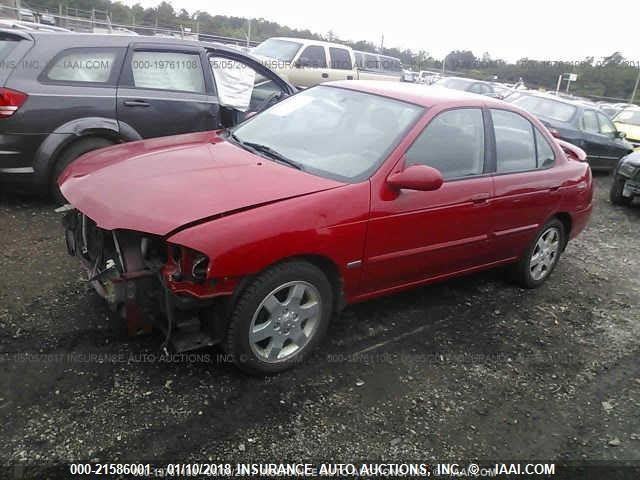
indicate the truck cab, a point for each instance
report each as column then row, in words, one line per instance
column 306, row 63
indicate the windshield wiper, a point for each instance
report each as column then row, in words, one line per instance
column 270, row 152
column 265, row 150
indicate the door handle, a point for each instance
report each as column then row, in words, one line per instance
column 136, row 103
column 480, row 197
column 325, row 75
column 554, row 189
column 349, row 77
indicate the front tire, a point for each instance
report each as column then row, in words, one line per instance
column 541, row 256
column 281, row 316
column 615, row 194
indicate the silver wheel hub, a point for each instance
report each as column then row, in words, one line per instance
column 285, row 321
column 545, row 253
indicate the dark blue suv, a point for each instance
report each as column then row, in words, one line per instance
column 62, row 95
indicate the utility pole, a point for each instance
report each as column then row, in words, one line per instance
column 382, row 43
column 249, row 32
column 635, row 88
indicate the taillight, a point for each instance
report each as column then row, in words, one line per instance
column 10, row 101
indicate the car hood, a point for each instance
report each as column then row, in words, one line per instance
column 632, row 131
column 159, row 186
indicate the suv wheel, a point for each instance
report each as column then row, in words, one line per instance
column 615, row 194
column 68, row 155
column 280, row 318
column 542, row 256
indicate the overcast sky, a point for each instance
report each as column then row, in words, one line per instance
column 539, row 29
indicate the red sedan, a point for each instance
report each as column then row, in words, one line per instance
column 253, row 237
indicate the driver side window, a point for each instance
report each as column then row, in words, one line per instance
column 452, row 143
column 606, row 126
column 241, row 87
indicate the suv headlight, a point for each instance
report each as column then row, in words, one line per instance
column 627, row 169
column 189, row 264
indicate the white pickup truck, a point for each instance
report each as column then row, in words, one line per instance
column 309, row 62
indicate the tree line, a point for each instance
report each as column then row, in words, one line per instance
column 612, row 76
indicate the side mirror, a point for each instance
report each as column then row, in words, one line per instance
column 620, row 134
column 416, row 177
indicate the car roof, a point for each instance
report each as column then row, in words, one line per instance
column 114, row 40
column 306, row 41
column 422, row 95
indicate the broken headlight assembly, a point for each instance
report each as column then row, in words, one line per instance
column 188, row 264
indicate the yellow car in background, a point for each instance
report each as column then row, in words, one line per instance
column 628, row 121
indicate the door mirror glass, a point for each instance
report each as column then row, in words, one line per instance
column 416, row 177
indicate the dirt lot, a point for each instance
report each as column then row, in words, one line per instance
column 470, row 369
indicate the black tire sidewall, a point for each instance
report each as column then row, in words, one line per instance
column 68, row 155
column 615, row 194
column 237, row 341
column 523, row 271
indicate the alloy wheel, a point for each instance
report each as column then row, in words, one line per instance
column 285, row 321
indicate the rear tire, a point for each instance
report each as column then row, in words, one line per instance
column 279, row 318
column 615, row 194
column 68, row 155
column 541, row 256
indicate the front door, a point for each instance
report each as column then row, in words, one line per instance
column 164, row 90
column 601, row 145
column 414, row 235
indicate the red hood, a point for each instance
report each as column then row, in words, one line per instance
column 156, row 186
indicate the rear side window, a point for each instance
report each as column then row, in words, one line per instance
column 6, row 45
column 452, row 143
column 546, row 157
column 371, row 62
column 359, row 60
column 340, row 58
column 85, row 66
column 515, row 144
column 168, row 71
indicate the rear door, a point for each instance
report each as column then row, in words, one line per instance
column 342, row 67
column 166, row 90
column 525, row 183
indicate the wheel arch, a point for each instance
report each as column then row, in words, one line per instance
column 567, row 224
column 322, row 262
column 65, row 135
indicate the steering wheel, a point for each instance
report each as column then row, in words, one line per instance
column 265, row 103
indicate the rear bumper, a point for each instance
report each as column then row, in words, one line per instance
column 579, row 220
column 17, row 154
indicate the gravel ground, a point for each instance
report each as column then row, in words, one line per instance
column 474, row 368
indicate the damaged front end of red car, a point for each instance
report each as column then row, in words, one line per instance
column 151, row 283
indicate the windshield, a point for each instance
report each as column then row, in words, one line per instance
column 546, row 107
column 630, row 117
column 332, row 132
column 454, row 83
column 282, row 50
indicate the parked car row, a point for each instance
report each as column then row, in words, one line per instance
column 581, row 124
